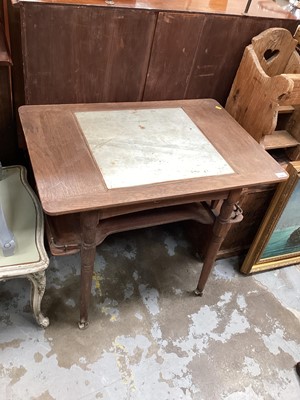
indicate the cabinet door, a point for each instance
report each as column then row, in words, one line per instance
column 174, row 47
column 8, row 139
column 75, row 54
column 221, row 45
column 197, row 55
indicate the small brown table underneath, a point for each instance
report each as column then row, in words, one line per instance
column 78, row 157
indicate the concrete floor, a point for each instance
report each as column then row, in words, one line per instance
column 149, row 337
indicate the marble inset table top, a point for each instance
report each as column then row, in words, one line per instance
column 139, row 147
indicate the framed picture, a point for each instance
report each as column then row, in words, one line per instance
column 277, row 242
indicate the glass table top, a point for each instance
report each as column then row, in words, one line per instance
column 145, row 146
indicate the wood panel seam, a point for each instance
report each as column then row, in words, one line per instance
column 150, row 56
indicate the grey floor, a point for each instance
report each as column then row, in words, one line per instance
column 149, row 337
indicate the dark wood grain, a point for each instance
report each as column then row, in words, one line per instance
column 8, row 139
column 203, row 60
column 215, row 68
column 5, row 58
column 174, row 47
column 17, row 57
column 101, row 53
column 8, row 142
column 85, row 54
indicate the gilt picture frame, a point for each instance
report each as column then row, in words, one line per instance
column 277, row 242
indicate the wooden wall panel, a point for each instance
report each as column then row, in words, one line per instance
column 213, row 45
column 8, row 139
column 94, row 54
column 174, row 48
column 16, row 54
column 84, row 54
column 1, row 11
column 221, row 46
column 216, row 58
column 8, row 142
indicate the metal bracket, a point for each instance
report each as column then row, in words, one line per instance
column 237, row 214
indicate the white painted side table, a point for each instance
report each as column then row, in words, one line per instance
column 24, row 218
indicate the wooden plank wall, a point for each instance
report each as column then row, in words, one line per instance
column 170, row 65
column 85, row 54
column 213, row 47
column 93, row 54
column 8, row 139
column 8, row 142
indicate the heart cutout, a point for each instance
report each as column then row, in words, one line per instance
column 270, row 54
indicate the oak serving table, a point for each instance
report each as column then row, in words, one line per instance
column 106, row 168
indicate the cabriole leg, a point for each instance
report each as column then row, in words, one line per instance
column 38, row 285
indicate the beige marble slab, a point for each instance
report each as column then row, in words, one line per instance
column 139, row 147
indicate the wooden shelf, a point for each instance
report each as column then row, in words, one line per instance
column 64, row 232
column 279, row 140
column 285, row 109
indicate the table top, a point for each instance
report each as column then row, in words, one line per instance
column 99, row 156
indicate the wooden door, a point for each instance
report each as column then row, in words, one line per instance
column 84, row 54
column 8, row 140
column 197, row 55
column 174, row 48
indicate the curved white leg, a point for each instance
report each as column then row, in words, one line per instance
column 38, row 281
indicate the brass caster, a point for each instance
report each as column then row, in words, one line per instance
column 198, row 292
column 43, row 321
column 83, row 325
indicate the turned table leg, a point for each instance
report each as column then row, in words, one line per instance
column 88, row 223
column 229, row 214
